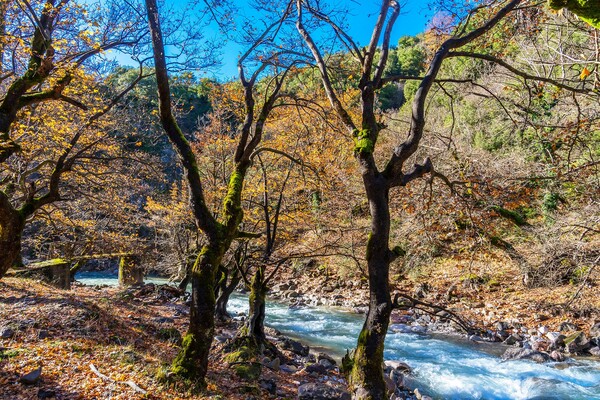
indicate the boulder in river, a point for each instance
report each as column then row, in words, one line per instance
column 400, row 328
column 516, row 353
column 398, row 366
column 321, row 391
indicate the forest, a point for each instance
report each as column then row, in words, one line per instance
column 360, row 213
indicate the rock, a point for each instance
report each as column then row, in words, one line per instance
column 295, row 347
column 418, row 329
column 164, row 320
column 421, row 290
column 43, row 334
column 539, row 345
column 516, row 353
column 390, row 385
column 540, row 317
column 290, row 369
column 316, row 368
column 400, row 328
column 324, row 356
column 326, row 363
column 7, row 333
column 502, row 335
column 46, row 394
column 576, row 343
column 32, row 377
column 221, row 338
column 513, row 339
column 501, row 326
column 274, row 364
column 399, row 366
column 476, row 338
column 557, row 340
column 595, row 330
column 557, row 356
column 321, row 391
column 293, row 294
column 567, row 327
column 543, row 330
column 269, row 385
column 595, row 351
column 418, row 394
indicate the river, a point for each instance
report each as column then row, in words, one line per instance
column 444, row 368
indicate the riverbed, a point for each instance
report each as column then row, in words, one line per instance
column 444, row 367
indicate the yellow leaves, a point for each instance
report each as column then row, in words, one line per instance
column 584, row 73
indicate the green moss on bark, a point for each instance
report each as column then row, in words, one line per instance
column 362, row 142
column 232, row 203
column 183, row 366
column 244, row 359
column 587, row 10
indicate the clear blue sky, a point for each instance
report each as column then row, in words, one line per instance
column 362, row 15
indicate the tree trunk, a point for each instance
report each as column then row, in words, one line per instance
column 76, row 267
column 11, row 231
column 366, row 377
column 130, row 272
column 255, row 327
column 192, row 360
column 223, row 298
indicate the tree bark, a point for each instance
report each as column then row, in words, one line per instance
column 366, row 377
column 192, row 360
column 130, row 272
column 255, row 327
column 12, row 224
column 227, row 289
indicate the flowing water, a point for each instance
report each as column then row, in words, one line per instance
column 445, row 368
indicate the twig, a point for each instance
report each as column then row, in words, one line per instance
column 131, row 384
column 414, row 303
column 583, row 283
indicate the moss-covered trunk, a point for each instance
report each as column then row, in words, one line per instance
column 192, row 360
column 366, row 377
column 130, row 272
column 255, row 327
column 11, row 230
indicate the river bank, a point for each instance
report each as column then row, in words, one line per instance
column 105, row 342
column 148, row 321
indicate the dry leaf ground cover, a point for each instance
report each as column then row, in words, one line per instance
column 126, row 338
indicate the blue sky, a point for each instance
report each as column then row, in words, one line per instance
column 361, row 18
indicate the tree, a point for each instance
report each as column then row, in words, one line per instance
column 57, row 62
column 220, row 232
column 366, row 377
